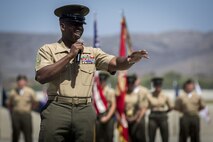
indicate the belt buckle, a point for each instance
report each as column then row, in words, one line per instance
column 75, row 101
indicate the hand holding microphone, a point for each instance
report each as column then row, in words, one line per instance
column 76, row 50
column 78, row 57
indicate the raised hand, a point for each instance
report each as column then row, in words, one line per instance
column 75, row 48
column 137, row 56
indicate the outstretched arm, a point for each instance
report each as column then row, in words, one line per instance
column 124, row 63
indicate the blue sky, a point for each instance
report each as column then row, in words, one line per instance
column 143, row 16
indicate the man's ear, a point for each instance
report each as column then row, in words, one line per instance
column 62, row 26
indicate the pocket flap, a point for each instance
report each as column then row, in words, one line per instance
column 87, row 69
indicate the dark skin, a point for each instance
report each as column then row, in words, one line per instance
column 71, row 32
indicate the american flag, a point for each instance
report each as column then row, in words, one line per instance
column 100, row 102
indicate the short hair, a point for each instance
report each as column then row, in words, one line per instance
column 189, row 81
column 21, row 77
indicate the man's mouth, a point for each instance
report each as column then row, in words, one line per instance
column 78, row 33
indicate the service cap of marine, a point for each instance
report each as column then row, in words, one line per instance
column 157, row 81
column 72, row 13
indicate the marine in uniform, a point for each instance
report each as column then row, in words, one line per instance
column 20, row 102
column 136, row 104
column 105, row 121
column 158, row 115
column 68, row 66
column 189, row 104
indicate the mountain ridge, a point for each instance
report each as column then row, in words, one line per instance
column 186, row 52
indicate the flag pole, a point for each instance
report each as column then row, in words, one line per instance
column 96, row 43
column 1, row 103
column 95, row 30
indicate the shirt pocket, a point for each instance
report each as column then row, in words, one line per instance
column 87, row 74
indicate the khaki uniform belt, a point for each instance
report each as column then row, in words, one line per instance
column 158, row 112
column 71, row 100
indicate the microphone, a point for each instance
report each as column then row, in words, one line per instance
column 78, row 56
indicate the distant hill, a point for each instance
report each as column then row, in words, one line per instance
column 185, row 52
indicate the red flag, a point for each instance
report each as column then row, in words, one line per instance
column 121, row 87
column 121, row 84
column 123, row 38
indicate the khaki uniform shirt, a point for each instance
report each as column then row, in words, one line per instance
column 189, row 103
column 23, row 100
column 77, row 79
column 138, row 98
column 109, row 93
column 163, row 102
